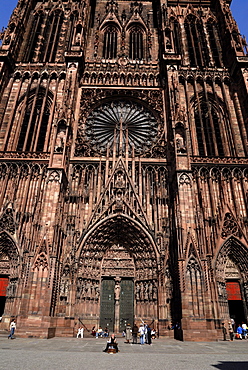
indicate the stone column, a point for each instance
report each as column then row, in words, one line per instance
column 117, row 305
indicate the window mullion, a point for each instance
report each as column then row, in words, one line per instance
column 201, row 121
column 192, row 42
column 199, row 43
column 31, row 116
column 49, row 38
column 36, row 137
column 212, row 140
column 54, row 41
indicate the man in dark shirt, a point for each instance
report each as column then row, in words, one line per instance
column 135, row 330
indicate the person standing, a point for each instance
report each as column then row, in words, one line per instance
column 239, row 331
column 79, row 332
column 145, row 327
column 12, row 329
column 128, row 333
column 230, row 329
column 135, row 330
column 142, row 333
column 244, row 328
column 149, row 335
column 82, row 332
column 224, row 331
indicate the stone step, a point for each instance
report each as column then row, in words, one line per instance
column 4, row 333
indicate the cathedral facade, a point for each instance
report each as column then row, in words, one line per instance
column 123, row 167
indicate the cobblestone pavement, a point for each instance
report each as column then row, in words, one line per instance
column 72, row 353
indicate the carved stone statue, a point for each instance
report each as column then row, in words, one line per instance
column 117, row 291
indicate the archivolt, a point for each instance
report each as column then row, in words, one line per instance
column 8, row 248
column 126, row 232
column 237, row 252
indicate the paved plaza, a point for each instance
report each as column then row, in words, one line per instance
column 72, row 353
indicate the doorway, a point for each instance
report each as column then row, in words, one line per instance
column 116, row 311
column 4, row 282
column 235, row 301
column 126, row 303
column 107, row 307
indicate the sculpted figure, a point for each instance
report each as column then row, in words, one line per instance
column 117, row 291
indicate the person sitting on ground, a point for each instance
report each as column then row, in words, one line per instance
column 99, row 332
column 106, row 332
column 93, row 331
column 111, row 343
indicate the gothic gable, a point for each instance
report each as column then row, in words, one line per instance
column 7, row 219
column 119, row 201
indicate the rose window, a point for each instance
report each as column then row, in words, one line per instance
column 121, row 126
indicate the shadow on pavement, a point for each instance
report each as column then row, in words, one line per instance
column 234, row 365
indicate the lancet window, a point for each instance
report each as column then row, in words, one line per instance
column 176, row 36
column 136, row 43
column 197, row 46
column 195, row 286
column 110, row 43
column 35, row 38
column 207, row 122
column 51, row 37
column 213, row 40
column 73, row 30
column 34, row 126
column 44, row 37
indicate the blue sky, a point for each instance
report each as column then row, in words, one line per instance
column 239, row 9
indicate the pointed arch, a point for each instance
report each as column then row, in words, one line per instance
column 8, row 248
column 194, row 280
column 194, row 286
column 208, row 122
column 72, row 30
column 33, row 131
column 9, row 271
column 41, row 259
column 213, row 36
column 136, row 42
column 197, row 47
column 52, row 36
column 235, row 251
column 118, row 248
column 33, row 46
column 128, row 226
column 110, row 40
column 177, row 37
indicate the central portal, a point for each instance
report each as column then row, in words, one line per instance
column 117, row 290
column 117, row 304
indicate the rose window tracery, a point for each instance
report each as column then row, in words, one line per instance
column 121, row 126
